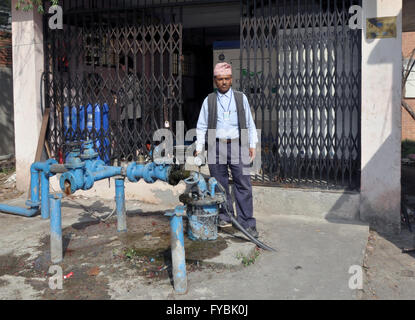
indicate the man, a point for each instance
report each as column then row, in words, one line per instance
column 228, row 113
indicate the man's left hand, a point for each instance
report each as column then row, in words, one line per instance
column 252, row 154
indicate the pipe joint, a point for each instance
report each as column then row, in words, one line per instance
column 73, row 180
column 44, row 167
column 135, row 171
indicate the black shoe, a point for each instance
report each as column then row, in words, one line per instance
column 252, row 231
column 224, row 224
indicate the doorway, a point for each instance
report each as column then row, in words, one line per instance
column 197, row 66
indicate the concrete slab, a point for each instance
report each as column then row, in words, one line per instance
column 327, row 204
column 238, row 248
column 312, row 260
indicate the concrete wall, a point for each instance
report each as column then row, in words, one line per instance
column 381, row 122
column 6, row 111
column 27, row 36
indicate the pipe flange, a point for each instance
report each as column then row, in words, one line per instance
column 217, row 199
column 130, row 173
column 88, row 180
column 179, row 211
column 67, row 183
column 148, row 172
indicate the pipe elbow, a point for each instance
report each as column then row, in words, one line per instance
column 44, row 167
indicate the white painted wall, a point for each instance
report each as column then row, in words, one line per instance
column 28, row 65
column 381, row 121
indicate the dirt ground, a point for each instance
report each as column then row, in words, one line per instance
column 389, row 269
column 94, row 249
column 143, row 251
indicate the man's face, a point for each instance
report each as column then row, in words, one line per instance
column 223, row 83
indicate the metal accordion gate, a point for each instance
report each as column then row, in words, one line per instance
column 300, row 68
column 112, row 76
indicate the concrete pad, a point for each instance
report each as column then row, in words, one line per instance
column 238, row 247
column 312, row 260
column 307, row 202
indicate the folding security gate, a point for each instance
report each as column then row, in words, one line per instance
column 300, row 68
column 113, row 76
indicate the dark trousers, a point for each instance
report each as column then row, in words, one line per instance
column 242, row 184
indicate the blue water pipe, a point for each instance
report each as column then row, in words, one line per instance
column 177, row 249
column 150, row 172
column 85, row 169
column 56, row 249
column 80, row 172
column 42, row 170
column 26, row 212
column 120, row 205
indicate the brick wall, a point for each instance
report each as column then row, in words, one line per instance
column 408, row 124
column 5, row 49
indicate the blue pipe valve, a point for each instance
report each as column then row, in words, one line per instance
column 150, row 172
column 91, row 157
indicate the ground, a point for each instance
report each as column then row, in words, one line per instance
column 312, row 257
column 389, row 270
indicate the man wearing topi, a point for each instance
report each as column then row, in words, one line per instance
column 226, row 116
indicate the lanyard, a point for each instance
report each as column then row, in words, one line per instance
column 229, row 106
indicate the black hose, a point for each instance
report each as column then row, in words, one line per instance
column 242, row 229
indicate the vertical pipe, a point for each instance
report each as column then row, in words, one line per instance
column 34, row 186
column 120, row 205
column 178, row 254
column 56, row 252
column 44, row 187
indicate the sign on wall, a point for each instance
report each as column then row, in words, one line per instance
column 382, row 27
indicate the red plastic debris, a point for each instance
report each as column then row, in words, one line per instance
column 68, row 275
column 60, row 155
